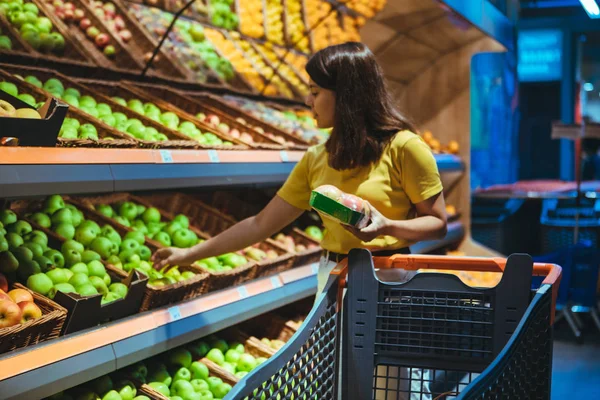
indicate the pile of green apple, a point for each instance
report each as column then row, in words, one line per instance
column 222, row 15
column 35, row 29
column 232, row 357
column 5, row 42
column 181, row 378
column 149, row 222
column 71, row 128
column 223, row 263
column 13, row 90
column 170, row 120
column 102, row 388
column 167, row 276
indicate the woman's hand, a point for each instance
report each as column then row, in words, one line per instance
column 378, row 225
column 170, row 256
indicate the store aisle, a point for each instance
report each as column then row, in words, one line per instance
column 576, row 368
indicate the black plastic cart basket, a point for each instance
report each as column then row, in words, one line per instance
column 432, row 337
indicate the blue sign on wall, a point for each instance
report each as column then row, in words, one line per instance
column 540, row 55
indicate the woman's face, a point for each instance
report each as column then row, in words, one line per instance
column 322, row 103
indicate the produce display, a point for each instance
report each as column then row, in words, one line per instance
column 274, row 21
column 222, row 14
column 367, row 8
column 75, row 17
column 296, row 30
column 251, row 15
column 8, row 110
column 436, row 147
column 283, row 69
column 37, row 30
column 327, row 32
column 288, row 242
column 298, row 61
column 16, row 306
column 5, row 42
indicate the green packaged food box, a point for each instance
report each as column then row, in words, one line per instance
column 332, row 209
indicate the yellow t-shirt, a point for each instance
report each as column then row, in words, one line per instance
column 406, row 174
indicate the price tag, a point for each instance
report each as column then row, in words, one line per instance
column 284, row 156
column 243, row 292
column 165, row 156
column 315, row 268
column 213, row 156
column 276, row 282
column 174, row 313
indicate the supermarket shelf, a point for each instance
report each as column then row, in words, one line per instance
column 456, row 232
column 45, row 369
column 45, row 171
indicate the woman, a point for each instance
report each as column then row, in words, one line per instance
column 372, row 152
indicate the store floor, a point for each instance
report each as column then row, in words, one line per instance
column 576, row 367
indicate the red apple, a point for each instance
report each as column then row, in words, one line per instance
column 19, row 295
column 234, row 133
column 4, row 296
column 245, row 137
column 353, row 202
column 29, row 311
column 60, row 14
column 69, row 6
column 69, row 15
column 125, row 35
column 78, row 14
column 85, row 23
column 119, row 23
column 10, row 314
column 3, row 283
column 92, row 32
column 213, row 119
column 102, row 40
column 330, row 191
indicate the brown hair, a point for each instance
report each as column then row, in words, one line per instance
column 366, row 118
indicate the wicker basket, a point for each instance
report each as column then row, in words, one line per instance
column 218, row 371
column 47, row 327
column 252, row 344
column 213, row 102
column 271, row 326
column 148, row 391
column 192, row 107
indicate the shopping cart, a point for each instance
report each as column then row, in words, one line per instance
column 432, row 337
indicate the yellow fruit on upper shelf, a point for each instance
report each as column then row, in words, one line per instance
column 251, row 18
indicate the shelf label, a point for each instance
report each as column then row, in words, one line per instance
column 174, row 313
column 315, row 268
column 284, row 156
column 165, row 156
column 213, row 156
column 243, row 292
column 276, row 282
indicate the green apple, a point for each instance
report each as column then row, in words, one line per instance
column 241, row 374
column 170, row 120
column 35, row 248
column 93, row 225
column 119, row 118
column 160, row 388
column 161, row 376
column 184, row 238
column 58, row 275
column 246, row 362
column 216, row 356
column 112, row 395
column 104, row 247
column 130, row 244
column 8, row 217
column 221, row 390
column 181, row 374
column 72, row 257
column 71, row 100
column 28, row 268
column 141, row 398
column 199, row 370
column 109, row 297
column 79, row 279
column 172, row 227
column 151, row 215
column 105, row 209
column 136, row 105
column 120, row 100
column 53, row 203
column 111, row 234
column 126, row 389
column 96, row 268
column 232, row 356
column 145, row 253
column 88, row 131
column 85, row 235
column 163, row 238
column 9, row 88
column 61, row 287
column 26, row 97
column 72, row 92
column 213, row 382
column 128, row 210
column 87, row 101
column 41, row 219
column 86, row 289
column 72, row 245
column 58, row 260
column 64, row 230
column 99, row 284
column 54, row 85
column 23, row 254
column 14, row 240
column 180, row 357
column 103, row 109
column 199, row 385
column 88, row 255
column 229, row 367
column 38, row 237
column 119, row 289
column 40, row 283
column 3, row 244
column 20, row 227
column 182, row 220
column 182, row 388
column 212, row 262
column 136, row 236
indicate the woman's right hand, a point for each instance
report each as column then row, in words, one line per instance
column 170, row 256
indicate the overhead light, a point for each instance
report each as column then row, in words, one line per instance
column 591, row 8
column 588, row 87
